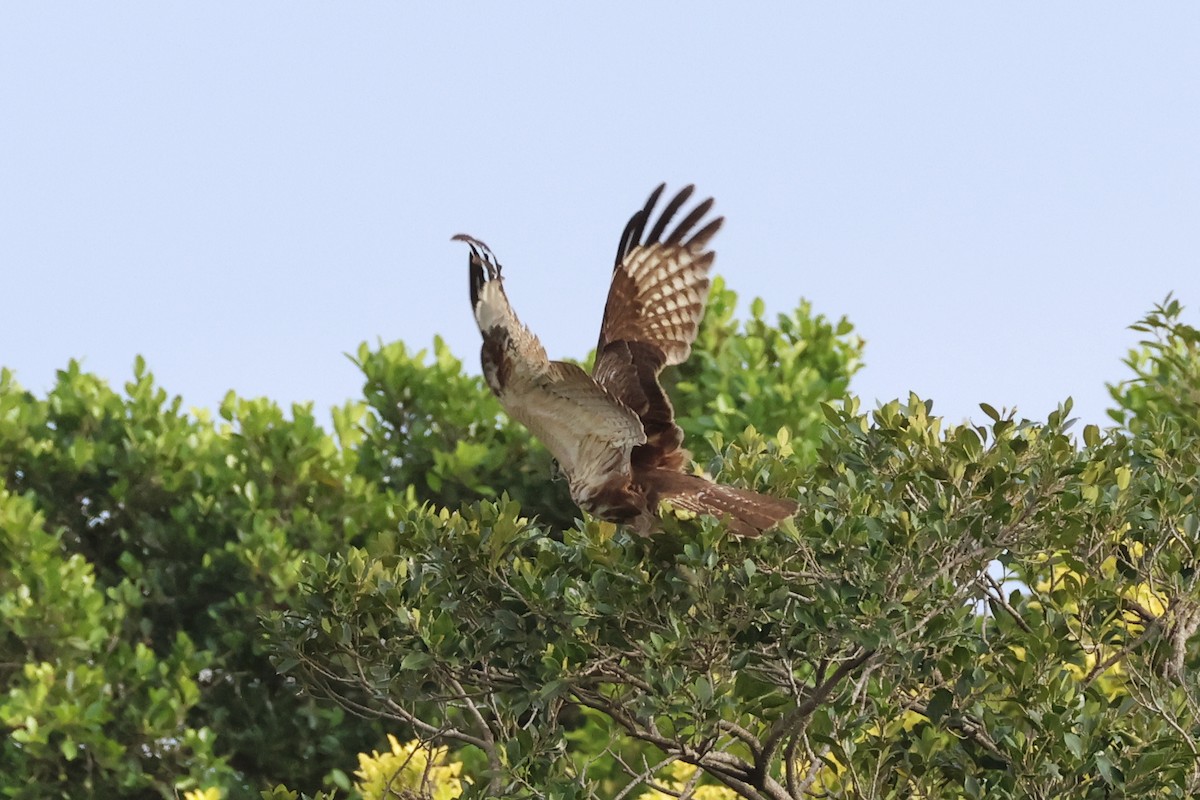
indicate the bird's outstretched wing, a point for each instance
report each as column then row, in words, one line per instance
column 583, row 426
column 655, row 304
column 660, row 285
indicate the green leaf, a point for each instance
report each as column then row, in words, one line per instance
column 1105, row 767
column 416, row 660
column 939, row 703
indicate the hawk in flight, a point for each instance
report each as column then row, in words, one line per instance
column 613, row 432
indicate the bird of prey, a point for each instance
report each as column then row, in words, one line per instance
column 613, row 432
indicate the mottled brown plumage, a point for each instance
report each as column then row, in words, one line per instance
column 613, row 432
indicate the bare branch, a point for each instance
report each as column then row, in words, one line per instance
column 485, row 734
column 997, row 594
column 793, row 719
column 644, row 776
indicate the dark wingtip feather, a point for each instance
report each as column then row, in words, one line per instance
column 690, row 220
column 701, row 238
column 482, row 264
column 668, row 213
column 631, row 237
column 477, row 280
column 635, row 231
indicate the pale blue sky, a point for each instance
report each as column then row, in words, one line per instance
column 243, row 192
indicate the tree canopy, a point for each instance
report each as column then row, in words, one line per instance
column 996, row 609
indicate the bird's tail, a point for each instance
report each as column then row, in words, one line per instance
column 746, row 512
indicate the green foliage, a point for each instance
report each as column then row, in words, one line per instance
column 762, row 375
column 1165, row 389
column 163, row 538
column 956, row 611
column 75, row 724
column 142, row 544
column 984, row 610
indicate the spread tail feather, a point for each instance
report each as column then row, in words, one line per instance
column 746, row 512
